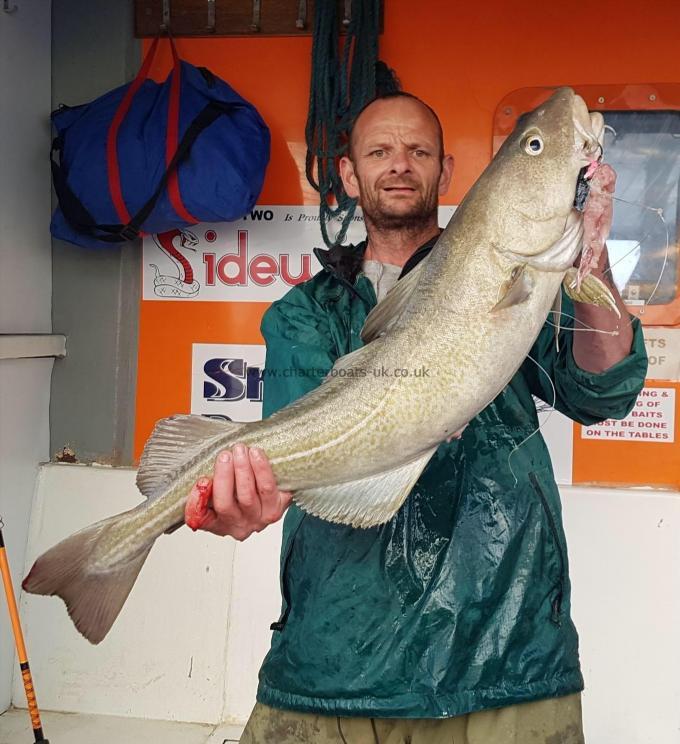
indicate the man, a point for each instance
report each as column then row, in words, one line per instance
column 451, row 622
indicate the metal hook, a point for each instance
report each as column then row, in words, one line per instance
column 302, row 14
column 211, row 16
column 165, row 21
column 6, row 7
column 255, row 25
column 348, row 13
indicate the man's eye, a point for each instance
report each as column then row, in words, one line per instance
column 421, row 153
column 377, row 153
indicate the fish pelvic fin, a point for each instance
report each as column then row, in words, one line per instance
column 173, row 442
column 367, row 502
column 514, row 290
column 593, row 291
column 93, row 599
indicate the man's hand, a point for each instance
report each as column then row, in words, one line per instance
column 241, row 498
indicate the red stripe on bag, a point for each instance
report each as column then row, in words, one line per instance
column 111, row 140
column 172, row 141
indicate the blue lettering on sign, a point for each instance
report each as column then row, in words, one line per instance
column 232, row 380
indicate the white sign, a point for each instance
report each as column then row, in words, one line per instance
column 652, row 420
column 663, row 350
column 255, row 259
column 226, row 380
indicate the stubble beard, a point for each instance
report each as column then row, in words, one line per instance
column 420, row 215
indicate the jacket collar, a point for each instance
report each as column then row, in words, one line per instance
column 344, row 261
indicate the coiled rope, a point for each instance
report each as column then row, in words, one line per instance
column 339, row 88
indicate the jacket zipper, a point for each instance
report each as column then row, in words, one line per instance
column 556, row 604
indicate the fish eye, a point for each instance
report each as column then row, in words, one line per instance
column 533, row 144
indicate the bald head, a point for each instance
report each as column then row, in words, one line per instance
column 399, row 104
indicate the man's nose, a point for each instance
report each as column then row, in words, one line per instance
column 400, row 163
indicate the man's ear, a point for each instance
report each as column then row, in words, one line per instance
column 349, row 177
column 446, row 175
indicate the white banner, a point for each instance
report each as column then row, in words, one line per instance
column 255, row 259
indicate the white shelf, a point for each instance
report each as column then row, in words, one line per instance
column 32, row 345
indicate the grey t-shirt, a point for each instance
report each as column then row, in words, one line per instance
column 383, row 276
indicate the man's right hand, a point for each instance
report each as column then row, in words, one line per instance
column 241, row 498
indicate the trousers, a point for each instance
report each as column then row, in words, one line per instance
column 550, row 721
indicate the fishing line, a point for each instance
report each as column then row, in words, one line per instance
column 545, row 421
column 659, row 212
column 587, row 328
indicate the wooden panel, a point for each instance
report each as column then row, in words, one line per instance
column 232, row 17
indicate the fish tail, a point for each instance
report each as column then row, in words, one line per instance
column 93, row 598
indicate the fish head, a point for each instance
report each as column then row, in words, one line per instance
column 535, row 175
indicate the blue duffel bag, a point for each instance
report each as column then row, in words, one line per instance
column 150, row 157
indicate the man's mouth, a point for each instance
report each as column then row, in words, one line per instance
column 399, row 189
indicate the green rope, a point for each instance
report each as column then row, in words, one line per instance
column 339, row 89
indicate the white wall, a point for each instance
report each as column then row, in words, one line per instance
column 25, row 276
column 624, row 548
column 190, row 634
column 625, row 567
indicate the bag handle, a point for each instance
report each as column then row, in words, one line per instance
column 80, row 219
column 172, row 135
column 112, row 165
column 172, row 139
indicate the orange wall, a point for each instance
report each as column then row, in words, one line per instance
column 462, row 59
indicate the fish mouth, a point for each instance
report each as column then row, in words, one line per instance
column 588, row 130
column 588, row 142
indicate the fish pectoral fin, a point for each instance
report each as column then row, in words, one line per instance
column 354, row 364
column 388, row 311
column 593, row 291
column 173, row 442
column 93, row 598
column 514, row 290
column 366, row 502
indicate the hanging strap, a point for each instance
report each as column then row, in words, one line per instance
column 81, row 220
column 171, row 138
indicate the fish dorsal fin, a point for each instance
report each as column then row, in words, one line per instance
column 557, row 317
column 173, row 442
column 514, row 290
column 386, row 313
column 592, row 291
column 366, row 502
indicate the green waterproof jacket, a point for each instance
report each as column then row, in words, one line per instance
column 462, row 601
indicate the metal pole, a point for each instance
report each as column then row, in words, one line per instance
column 21, row 646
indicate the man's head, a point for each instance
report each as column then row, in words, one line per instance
column 396, row 165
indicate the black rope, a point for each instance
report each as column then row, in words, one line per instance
column 339, row 89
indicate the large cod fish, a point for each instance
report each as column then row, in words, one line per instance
column 352, row 449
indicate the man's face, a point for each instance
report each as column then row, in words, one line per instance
column 396, row 168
